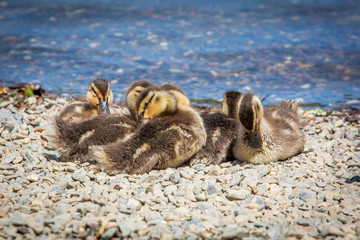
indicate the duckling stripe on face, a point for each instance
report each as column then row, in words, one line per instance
column 231, row 104
column 101, row 87
column 247, row 115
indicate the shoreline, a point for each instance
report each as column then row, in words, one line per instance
column 304, row 197
column 349, row 106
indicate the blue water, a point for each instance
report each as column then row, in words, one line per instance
column 305, row 50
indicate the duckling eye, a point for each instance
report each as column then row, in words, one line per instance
column 93, row 91
column 137, row 91
column 146, row 104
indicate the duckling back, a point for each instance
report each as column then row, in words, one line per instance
column 77, row 112
column 285, row 126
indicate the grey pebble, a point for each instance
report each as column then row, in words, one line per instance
column 80, row 176
column 51, row 155
column 18, row 220
column 307, row 194
column 175, row 177
column 231, row 232
column 237, row 194
column 126, row 228
column 350, row 135
column 10, row 157
column 108, row 234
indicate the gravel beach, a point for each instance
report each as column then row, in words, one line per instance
column 304, row 197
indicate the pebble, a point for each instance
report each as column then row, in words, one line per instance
column 256, row 203
column 33, row 178
column 108, row 234
column 237, row 194
column 47, row 199
column 80, row 176
column 335, row 231
column 127, row 227
column 10, row 157
column 175, row 177
column 350, row 135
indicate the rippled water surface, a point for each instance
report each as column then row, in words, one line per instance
column 307, row 50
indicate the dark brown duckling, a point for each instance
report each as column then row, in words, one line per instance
column 73, row 140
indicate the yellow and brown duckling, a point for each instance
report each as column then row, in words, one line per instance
column 73, row 138
column 221, row 132
column 168, row 134
column 266, row 135
column 99, row 97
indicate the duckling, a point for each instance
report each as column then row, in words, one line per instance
column 168, row 134
column 133, row 95
column 73, row 140
column 221, row 134
column 266, row 135
column 99, row 96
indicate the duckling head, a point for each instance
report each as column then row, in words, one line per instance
column 154, row 103
column 133, row 94
column 180, row 96
column 231, row 103
column 100, row 96
column 248, row 110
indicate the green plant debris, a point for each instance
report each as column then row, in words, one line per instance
column 317, row 112
column 29, row 92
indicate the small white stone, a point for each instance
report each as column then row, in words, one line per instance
column 237, row 194
column 33, row 177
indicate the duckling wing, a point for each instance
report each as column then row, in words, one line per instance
column 221, row 133
column 77, row 112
